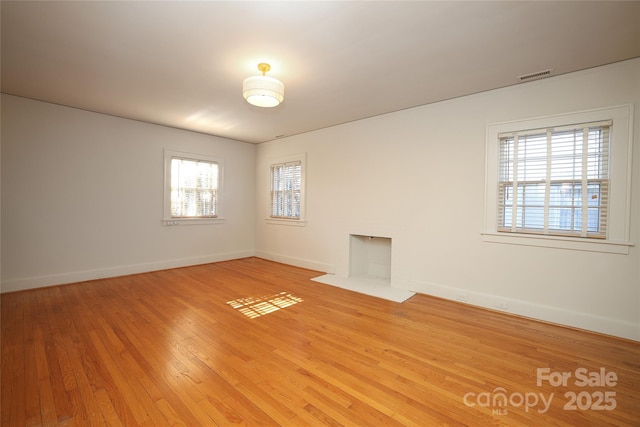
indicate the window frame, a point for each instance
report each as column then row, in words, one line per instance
column 301, row 221
column 619, row 203
column 528, row 199
column 167, row 218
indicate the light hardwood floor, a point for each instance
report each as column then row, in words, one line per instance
column 168, row 348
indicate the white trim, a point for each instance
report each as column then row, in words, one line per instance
column 285, row 221
column 547, row 313
column 301, row 222
column 559, row 242
column 297, row 262
column 115, row 271
column 192, row 221
column 166, row 208
column 619, row 211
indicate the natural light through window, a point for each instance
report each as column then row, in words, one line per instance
column 286, row 187
column 286, row 197
column 253, row 307
column 194, row 188
column 561, row 181
column 555, row 181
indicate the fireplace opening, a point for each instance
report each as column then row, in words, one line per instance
column 370, row 257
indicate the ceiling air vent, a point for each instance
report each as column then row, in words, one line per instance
column 535, row 76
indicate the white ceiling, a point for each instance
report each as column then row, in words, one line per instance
column 182, row 64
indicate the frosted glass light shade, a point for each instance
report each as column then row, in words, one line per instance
column 263, row 91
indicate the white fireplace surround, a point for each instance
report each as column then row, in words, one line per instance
column 369, row 269
column 370, row 257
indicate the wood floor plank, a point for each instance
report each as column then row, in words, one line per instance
column 32, row 393
column 170, row 348
column 107, row 410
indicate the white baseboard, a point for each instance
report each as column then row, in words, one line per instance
column 115, row 271
column 560, row 316
column 297, row 262
column 604, row 325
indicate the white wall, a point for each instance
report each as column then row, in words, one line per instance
column 417, row 176
column 82, row 197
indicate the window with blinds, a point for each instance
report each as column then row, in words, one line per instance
column 555, row 181
column 194, row 188
column 286, row 190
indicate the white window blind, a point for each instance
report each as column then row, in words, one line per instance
column 286, row 186
column 555, row 181
column 194, row 188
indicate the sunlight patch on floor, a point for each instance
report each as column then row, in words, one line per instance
column 253, row 307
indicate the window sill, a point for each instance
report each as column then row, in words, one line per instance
column 558, row 242
column 191, row 221
column 290, row 222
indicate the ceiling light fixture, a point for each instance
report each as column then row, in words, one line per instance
column 263, row 91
